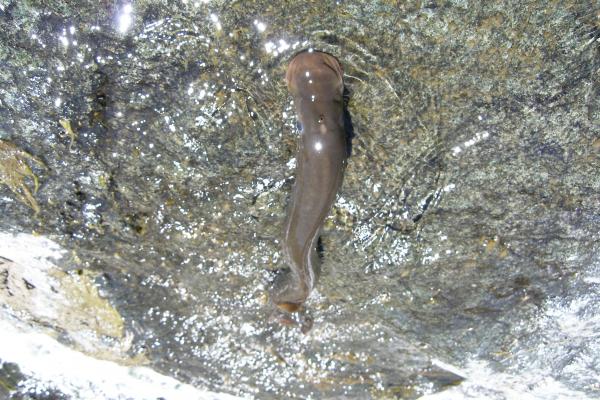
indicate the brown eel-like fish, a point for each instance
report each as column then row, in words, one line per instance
column 315, row 81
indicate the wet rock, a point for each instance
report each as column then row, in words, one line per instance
column 463, row 246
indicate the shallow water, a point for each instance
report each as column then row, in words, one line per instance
column 463, row 246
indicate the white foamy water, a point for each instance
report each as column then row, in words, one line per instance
column 55, row 366
column 485, row 384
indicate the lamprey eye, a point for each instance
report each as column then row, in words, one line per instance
column 321, row 118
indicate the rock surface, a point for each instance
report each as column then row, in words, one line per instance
column 463, row 249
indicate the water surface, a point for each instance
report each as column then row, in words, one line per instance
column 464, row 242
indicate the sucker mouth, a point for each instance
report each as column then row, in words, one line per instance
column 288, row 307
column 328, row 61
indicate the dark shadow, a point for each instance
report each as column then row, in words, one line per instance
column 348, row 127
column 320, row 248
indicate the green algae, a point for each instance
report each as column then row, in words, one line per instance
column 15, row 171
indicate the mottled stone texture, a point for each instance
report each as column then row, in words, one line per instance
column 466, row 228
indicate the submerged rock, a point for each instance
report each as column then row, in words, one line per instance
column 462, row 250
